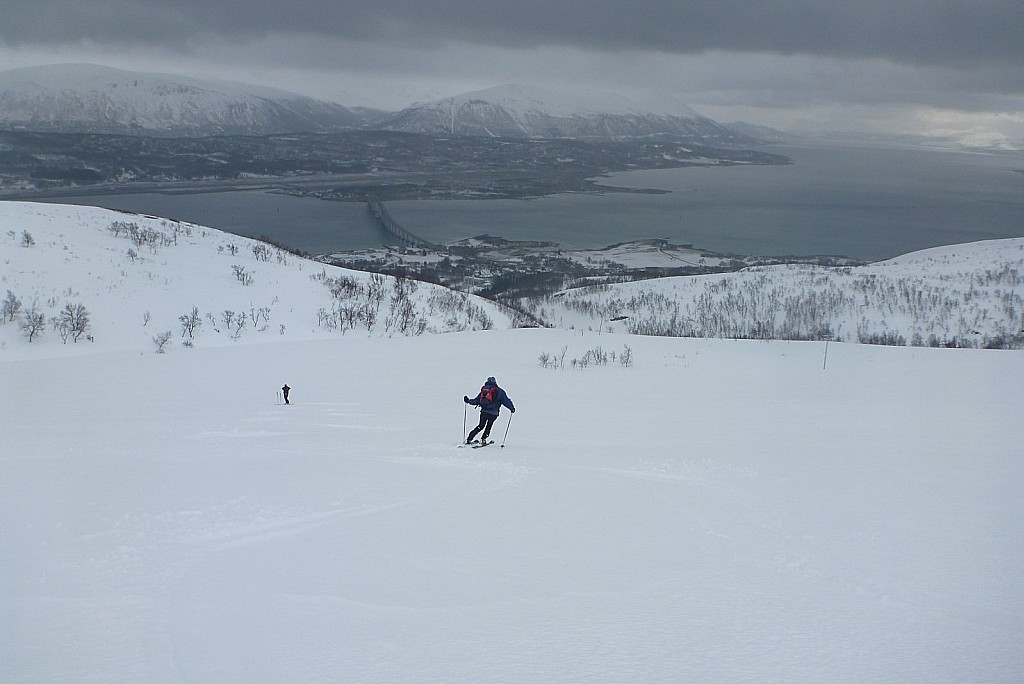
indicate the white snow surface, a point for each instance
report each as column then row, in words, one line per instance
column 720, row 511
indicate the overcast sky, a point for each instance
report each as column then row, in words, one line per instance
column 879, row 65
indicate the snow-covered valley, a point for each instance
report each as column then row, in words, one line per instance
column 716, row 510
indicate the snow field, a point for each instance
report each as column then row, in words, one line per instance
column 721, row 511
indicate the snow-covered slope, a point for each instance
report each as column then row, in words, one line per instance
column 90, row 98
column 968, row 295
column 137, row 276
column 722, row 511
column 711, row 511
column 525, row 111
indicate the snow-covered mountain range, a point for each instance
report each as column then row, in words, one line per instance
column 520, row 111
column 88, row 98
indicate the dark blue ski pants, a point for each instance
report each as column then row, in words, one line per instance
column 486, row 423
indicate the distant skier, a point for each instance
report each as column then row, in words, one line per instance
column 490, row 400
column 285, row 390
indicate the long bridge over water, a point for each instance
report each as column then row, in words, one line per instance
column 394, row 229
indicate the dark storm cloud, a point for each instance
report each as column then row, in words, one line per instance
column 942, row 32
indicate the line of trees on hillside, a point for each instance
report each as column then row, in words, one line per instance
column 70, row 322
column 962, row 310
column 397, row 307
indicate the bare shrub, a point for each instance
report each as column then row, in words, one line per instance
column 190, row 322
column 162, row 340
column 33, row 322
column 241, row 274
column 11, row 306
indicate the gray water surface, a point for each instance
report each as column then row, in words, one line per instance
column 857, row 201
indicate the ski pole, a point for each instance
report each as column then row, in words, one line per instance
column 507, row 426
column 465, row 410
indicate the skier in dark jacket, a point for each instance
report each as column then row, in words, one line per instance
column 490, row 400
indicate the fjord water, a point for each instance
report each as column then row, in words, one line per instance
column 864, row 202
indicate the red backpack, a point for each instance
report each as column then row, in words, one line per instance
column 487, row 393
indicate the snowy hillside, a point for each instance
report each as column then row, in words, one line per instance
column 969, row 295
column 674, row 510
column 523, row 111
column 137, row 277
column 89, row 98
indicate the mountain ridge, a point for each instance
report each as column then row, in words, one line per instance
column 520, row 111
column 84, row 98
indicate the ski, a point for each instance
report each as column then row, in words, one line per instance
column 483, row 444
